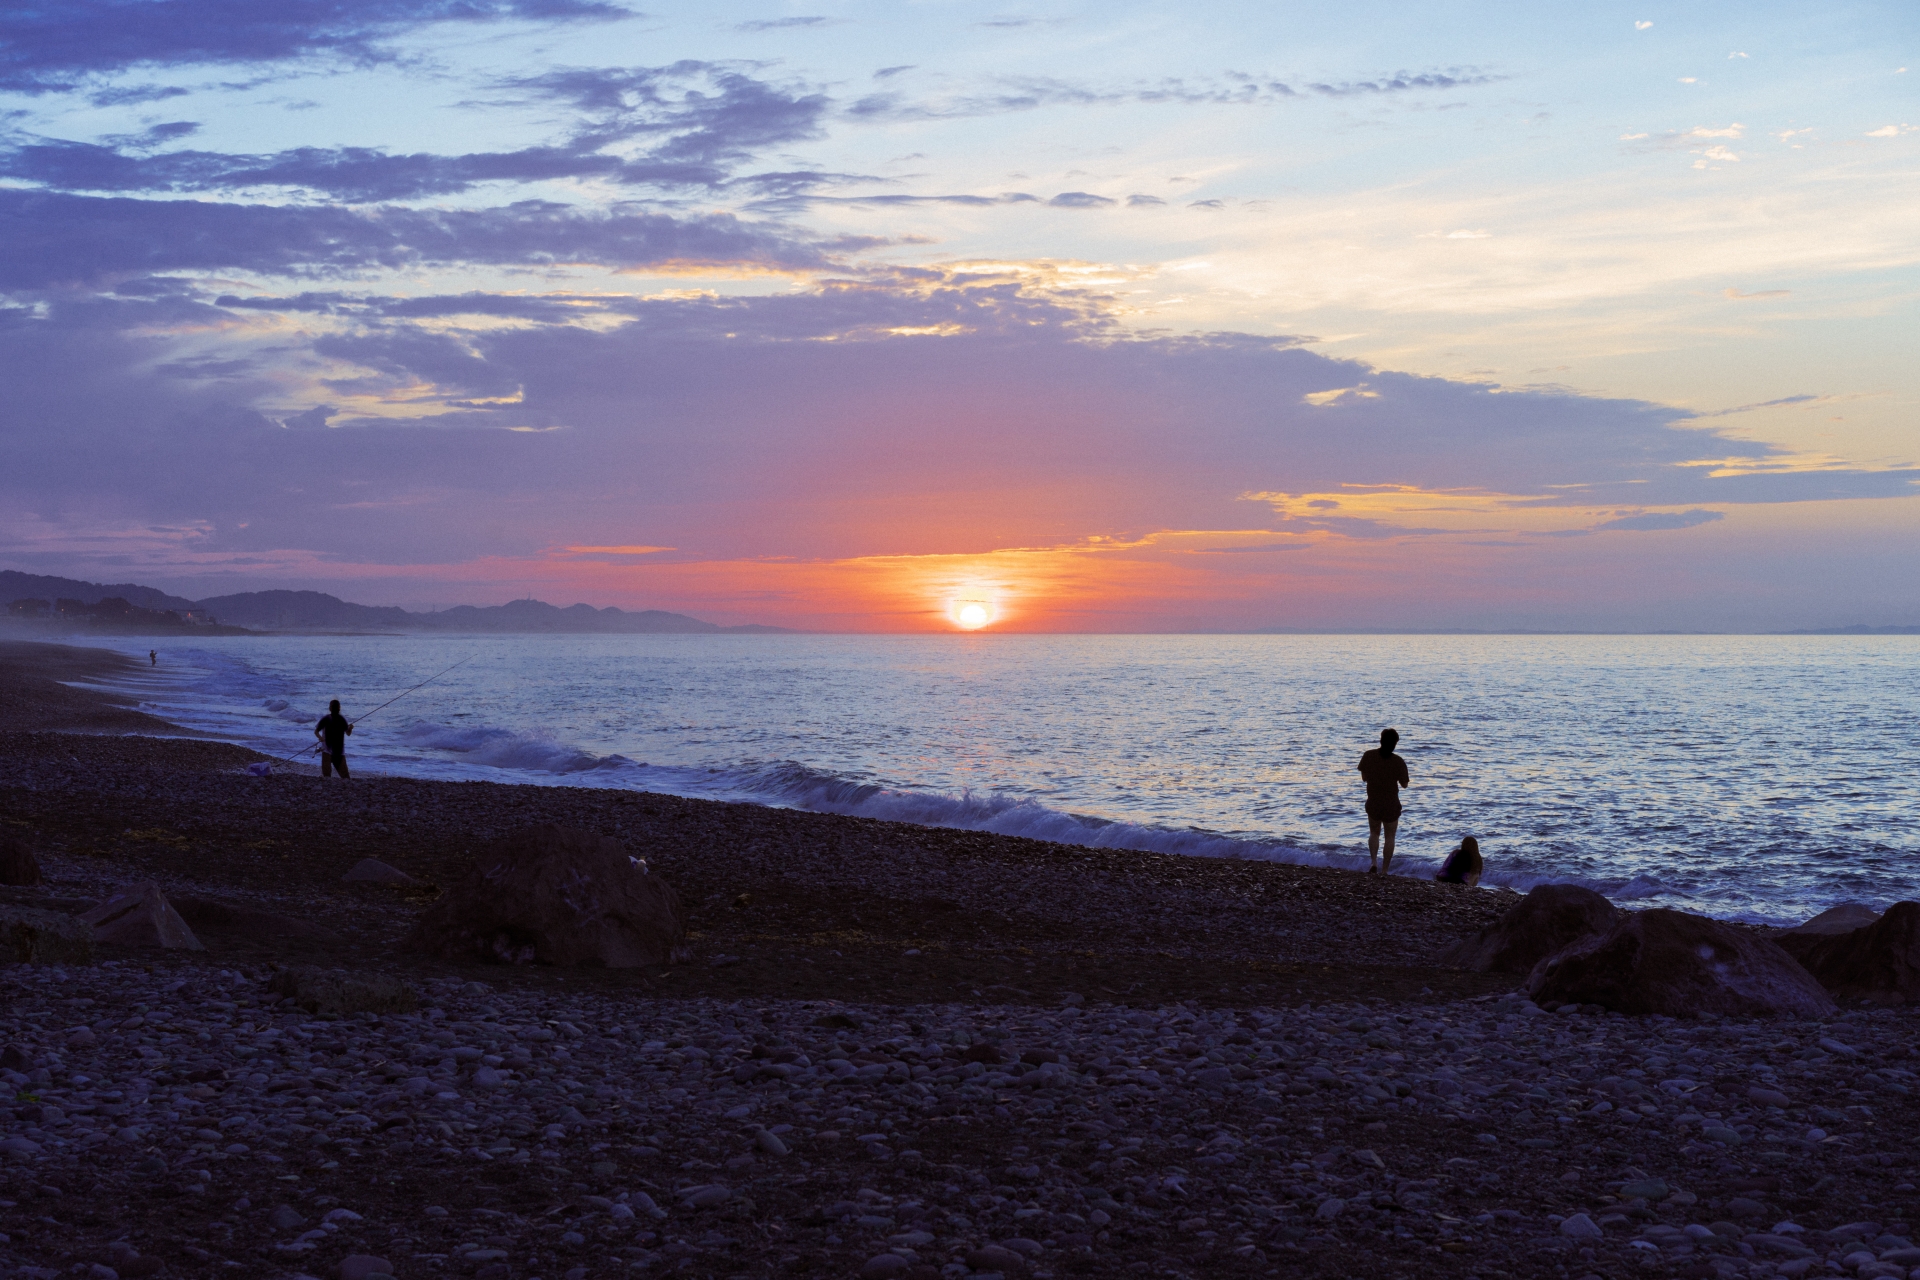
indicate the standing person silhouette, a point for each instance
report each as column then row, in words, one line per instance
column 1385, row 773
column 332, row 732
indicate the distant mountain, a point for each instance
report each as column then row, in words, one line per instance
column 304, row 611
column 317, row 611
column 34, row 586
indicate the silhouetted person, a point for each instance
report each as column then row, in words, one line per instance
column 1385, row 773
column 1464, row 864
column 332, row 732
column 153, row 657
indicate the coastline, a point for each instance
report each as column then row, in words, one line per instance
column 1256, row 1067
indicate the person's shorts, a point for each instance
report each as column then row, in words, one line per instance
column 1383, row 812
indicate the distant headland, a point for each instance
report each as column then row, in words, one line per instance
column 67, row 605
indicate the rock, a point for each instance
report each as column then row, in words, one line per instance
column 332, row 991
column 1549, row 918
column 1581, row 1227
column 549, row 895
column 374, row 871
column 1879, row 961
column 43, row 937
column 17, row 864
column 1330, row 1207
column 285, row 1218
column 140, row 916
column 207, row 915
column 1680, row 965
column 884, row 1264
column 1744, row 1207
column 992, row 1257
column 1768, row 1097
column 1844, row 918
column 769, row 1143
column 1652, row 1189
column 360, row 1266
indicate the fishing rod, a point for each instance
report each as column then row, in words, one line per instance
column 389, row 702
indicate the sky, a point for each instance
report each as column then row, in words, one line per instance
column 934, row 316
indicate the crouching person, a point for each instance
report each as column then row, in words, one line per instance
column 1463, row 864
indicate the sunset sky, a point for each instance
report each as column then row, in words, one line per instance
column 1115, row 317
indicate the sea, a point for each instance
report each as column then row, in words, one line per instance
column 1760, row 778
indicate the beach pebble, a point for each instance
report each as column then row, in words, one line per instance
column 1581, row 1227
column 361, row 1266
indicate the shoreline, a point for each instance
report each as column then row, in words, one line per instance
column 1197, row 1067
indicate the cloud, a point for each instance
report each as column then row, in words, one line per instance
column 1641, row 26
column 1891, row 130
column 48, row 47
column 1081, row 200
column 783, row 24
column 1135, row 201
column 1738, row 296
column 57, row 239
column 1654, row 521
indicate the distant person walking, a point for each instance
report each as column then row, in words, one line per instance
column 332, row 732
column 1384, row 773
column 153, row 657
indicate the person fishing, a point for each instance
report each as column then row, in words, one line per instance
column 1385, row 773
column 332, row 732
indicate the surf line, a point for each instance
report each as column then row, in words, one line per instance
column 315, row 746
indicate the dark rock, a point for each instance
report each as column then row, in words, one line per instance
column 1844, row 918
column 1549, row 918
column 43, row 937
column 1680, row 965
column 983, row 1052
column 331, row 991
column 204, row 915
column 18, row 866
column 549, row 895
column 374, row 871
column 140, row 916
column 1878, row 962
column 994, row 1258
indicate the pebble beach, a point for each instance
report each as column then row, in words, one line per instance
column 895, row 1051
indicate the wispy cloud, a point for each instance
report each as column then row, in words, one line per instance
column 784, row 24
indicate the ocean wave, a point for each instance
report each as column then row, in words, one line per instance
column 502, row 748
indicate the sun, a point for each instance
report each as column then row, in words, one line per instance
column 973, row 615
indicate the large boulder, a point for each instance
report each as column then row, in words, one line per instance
column 1552, row 916
column 1669, row 962
column 28, row 936
column 140, row 916
column 1844, row 918
column 549, row 895
column 18, row 866
column 1879, row 962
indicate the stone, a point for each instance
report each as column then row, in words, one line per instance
column 993, row 1257
column 1330, row 1207
column 18, row 866
column 285, row 1218
column 1844, row 918
column 884, row 1264
column 333, row 991
column 363, row 1266
column 1679, row 965
column 1581, row 1227
column 1652, row 1189
column 140, row 916
column 374, row 871
column 207, row 915
column 555, row 896
column 1550, row 918
column 28, row 936
column 1879, row 961
column 769, row 1143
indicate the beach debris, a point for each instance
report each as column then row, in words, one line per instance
column 260, row 769
column 1549, row 918
column 336, row 991
column 1844, row 918
column 18, row 866
column 140, row 916
column 1680, row 965
column 1879, row 962
column 28, row 936
column 374, row 871
column 558, row 896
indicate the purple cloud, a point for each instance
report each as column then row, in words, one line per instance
column 54, row 45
